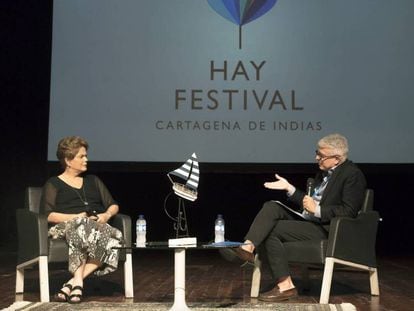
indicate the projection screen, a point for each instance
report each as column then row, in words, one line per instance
column 156, row 80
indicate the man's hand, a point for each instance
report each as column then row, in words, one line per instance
column 280, row 184
column 309, row 204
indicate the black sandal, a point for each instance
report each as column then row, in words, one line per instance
column 71, row 296
column 65, row 297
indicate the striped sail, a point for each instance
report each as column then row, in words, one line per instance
column 189, row 173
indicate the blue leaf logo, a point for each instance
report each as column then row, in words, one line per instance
column 241, row 12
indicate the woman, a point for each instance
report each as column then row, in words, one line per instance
column 79, row 208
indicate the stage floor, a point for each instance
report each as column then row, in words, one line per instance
column 211, row 279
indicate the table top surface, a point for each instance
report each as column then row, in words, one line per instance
column 198, row 245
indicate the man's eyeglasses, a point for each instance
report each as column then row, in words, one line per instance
column 323, row 157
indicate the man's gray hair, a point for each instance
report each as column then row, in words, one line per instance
column 338, row 143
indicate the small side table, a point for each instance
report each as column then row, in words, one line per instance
column 179, row 265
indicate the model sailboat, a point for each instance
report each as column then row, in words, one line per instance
column 188, row 172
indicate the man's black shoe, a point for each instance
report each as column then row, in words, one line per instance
column 244, row 255
column 237, row 255
column 276, row 295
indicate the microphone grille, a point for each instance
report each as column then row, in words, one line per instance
column 310, row 182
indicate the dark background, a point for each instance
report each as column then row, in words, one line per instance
column 235, row 191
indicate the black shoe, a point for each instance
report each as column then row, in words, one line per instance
column 266, row 287
column 237, row 255
column 62, row 296
column 276, row 295
column 244, row 255
column 79, row 296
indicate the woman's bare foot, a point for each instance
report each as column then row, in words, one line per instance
column 63, row 294
column 76, row 294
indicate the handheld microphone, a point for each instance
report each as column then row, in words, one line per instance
column 309, row 186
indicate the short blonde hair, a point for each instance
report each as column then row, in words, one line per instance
column 68, row 148
column 338, row 143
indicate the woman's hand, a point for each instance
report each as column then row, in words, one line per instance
column 103, row 218
column 81, row 215
column 280, row 184
column 56, row 218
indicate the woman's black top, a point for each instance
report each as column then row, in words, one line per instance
column 59, row 197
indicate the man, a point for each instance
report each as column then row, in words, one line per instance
column 339, row 191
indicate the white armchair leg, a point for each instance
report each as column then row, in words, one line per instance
column 20, row 273
column 128, row 277
column 19, row 280
column 44, row 279
column 373, row 280
column 327, row 280
column 254, row 290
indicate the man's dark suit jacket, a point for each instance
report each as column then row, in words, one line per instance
column 344, row 194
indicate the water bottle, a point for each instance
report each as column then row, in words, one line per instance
column 219, row 229
column 141, row 231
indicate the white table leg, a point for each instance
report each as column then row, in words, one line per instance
column 179, row 281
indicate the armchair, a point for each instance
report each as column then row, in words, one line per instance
column 36, row 248
column 351, row 242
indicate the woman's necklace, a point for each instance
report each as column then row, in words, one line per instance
column 84, row 201
column 72, row 180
